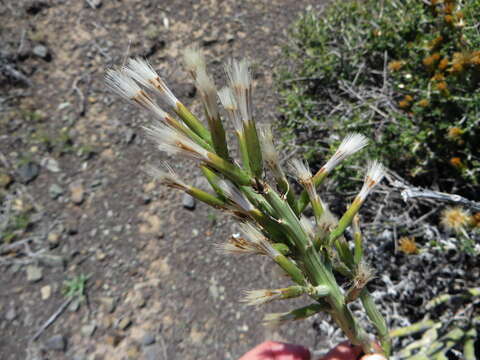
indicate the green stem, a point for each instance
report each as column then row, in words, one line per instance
column 378, row 321
column 192, row 122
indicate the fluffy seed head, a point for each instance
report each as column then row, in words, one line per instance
column 349, row 146
column 374, row 175
column 454, row 218
column 140, row 70
column 266, row 140
column 240, row 80
column 301, row 171
column 208, row 92
column 276, row 319
column 172, row 142
column 227, row 98
column 167, row 176
column 364, row 274
column 259, row 297
column 120, row 83
column 240, row 246
column 234, row 195
column 194, row 60
column 256, row 237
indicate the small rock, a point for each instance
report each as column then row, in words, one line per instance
column 28, row 171
column 100, row 255
column 148, row 339
column 108, row 303
column 34, row 273
column 5, row 180
column 51, row 260
column 188, row 202
column 153, row 352
column 46, row 292
column 53, row 239
column 74, row 305
column 114, row 339
column 88, row 330
column 133, row 352
column 129, row 136
column 210, row 39
column 77, row 192
column 124, row 323
column 41, row 51
column 95, row 4
column 56, row 342
column 11, row 314
column 50, row 164
column 55, row 191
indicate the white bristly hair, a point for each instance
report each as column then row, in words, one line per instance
column 240, row 80
column 270, row 154
column 235, row 195
column 208, row 92
column 229, row 103
column 127, row 88
column 276, row 319
column 193, row 60
column 172, row 142
column 349, row 146
column 263, row 296
column 301, row 171
column 256, row 237
column 140, row 70
column 374, row 175
column 120, row 83
column 166, row 176
column 239, row 246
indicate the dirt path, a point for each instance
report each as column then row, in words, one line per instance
column 157, row 287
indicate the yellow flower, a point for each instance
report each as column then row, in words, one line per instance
column 408, row 245
column 443, row 64
column 456, row 162
column 454, row 133
column 454, row 218
column 395, row 65
column 423, row 103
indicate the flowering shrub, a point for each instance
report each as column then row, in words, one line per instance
column 405, row 72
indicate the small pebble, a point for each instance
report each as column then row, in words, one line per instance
column 188, row 202
column 34, row 273
column 56, row 342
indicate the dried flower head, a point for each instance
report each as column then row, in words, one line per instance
column 172, row 142
column 270, row 154
column 140, row 70
column 403, row 104
column 167, row 176
column 208, row 92
column 240, row 80
column 235, row 196
column 261, row 242
column 408, row 245
column 127, row 88
column 374, row 175
column 301, row 171
column 227, row 98
column 454, row 218
column 194, row 60
column 240, row 246
column 349, row 146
